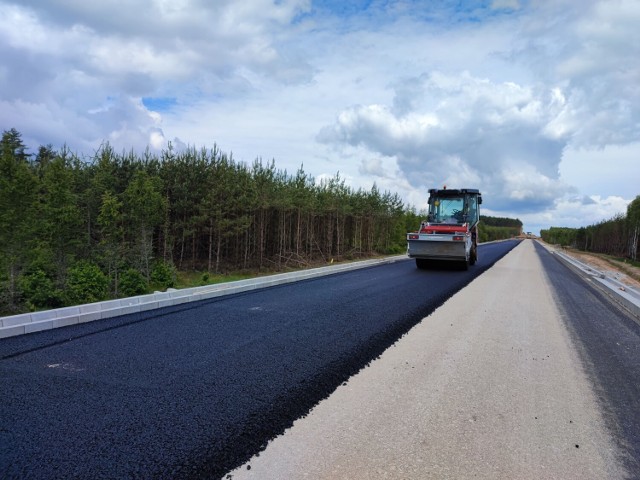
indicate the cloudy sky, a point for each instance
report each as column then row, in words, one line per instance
column 534, row 102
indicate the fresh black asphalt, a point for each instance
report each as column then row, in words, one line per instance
column 195, row 390
column 608, row 341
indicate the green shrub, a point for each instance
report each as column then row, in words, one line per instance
column 86, row 284
column 132, row 283
column 39, row 291
column 163, row 274
column 397, row 249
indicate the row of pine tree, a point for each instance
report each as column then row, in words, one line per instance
column 618, row 236
column 76, row 230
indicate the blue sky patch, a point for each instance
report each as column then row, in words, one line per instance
column 443, row 11
column 159, row 104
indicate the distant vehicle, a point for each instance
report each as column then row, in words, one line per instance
column 450, row 231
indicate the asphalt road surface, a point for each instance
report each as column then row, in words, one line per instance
column 608, row 342
column 527, row 373
column 195, row 390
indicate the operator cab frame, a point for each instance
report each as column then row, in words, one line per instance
column 454, row 207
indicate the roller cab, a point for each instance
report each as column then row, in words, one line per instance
column 450, row 230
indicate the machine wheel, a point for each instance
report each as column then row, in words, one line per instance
column 474, row 255
column 422, row 263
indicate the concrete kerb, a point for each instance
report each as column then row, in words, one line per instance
column 49, row 319
column 626, row 296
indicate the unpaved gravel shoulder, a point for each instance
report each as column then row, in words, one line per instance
column 488, row 386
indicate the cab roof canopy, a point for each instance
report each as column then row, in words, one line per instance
column 445, row 192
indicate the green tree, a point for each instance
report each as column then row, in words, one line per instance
column 222, row 209
column 144, row 207
column 163, row 274
column 18, row 189
column 560, row 236
column 111, row 245
column 184, row 179
column 264, row 181
column 86, row 284
column 132, row 283
column 45, row 155
column 39, row 291
column 633, row 226
column 60, row 220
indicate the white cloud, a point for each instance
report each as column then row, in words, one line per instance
column 73, row 57
column 574, row 212
column 504, row 137
column 589, row 50
column 374, row 167
column 614, row 168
